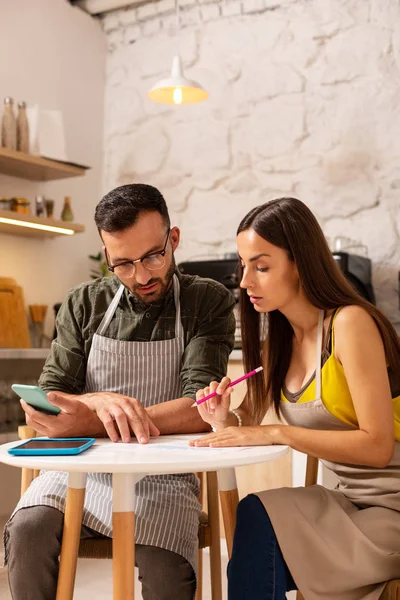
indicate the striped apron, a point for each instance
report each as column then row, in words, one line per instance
column 166, row 506
column 341, row 544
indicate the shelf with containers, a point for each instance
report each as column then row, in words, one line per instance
column 30, row 226
column 25, row 364
column 36, row 168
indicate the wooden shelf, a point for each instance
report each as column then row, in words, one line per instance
column 17, row 229
column 24, row 353
column 36, row 168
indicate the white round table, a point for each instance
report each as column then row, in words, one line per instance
column 129, row 463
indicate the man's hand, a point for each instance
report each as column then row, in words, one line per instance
column 90, row 414
column 122, row 415
column 75, row 419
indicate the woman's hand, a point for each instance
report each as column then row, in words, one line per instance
column 215, row 410
column 258, row 435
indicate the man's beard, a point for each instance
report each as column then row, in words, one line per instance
column 161, row 292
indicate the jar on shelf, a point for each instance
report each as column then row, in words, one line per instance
column 5, row 203
column 9, row 125
column 22, row 129
column 21, row 206
column 67, row 214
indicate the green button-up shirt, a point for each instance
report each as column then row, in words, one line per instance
column 207, row 319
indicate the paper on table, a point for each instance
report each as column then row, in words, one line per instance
column 180, row 448
column 181, row 443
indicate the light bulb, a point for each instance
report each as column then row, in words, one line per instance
column 178, row 95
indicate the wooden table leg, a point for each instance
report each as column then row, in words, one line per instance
column 71, row 535
column 124, row 535
column 215, row 547
column 229, row 497
column 27, row 475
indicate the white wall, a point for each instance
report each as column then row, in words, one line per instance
column 54, row 55
column 304, row 98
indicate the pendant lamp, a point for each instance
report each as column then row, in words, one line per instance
column 177, row 89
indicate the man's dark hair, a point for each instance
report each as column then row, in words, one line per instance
column 121, row 208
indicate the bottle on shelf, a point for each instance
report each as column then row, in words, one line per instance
column 67, row 214
column 39, row 206
column 49, row 205
column 22, row 129
column 9, row 125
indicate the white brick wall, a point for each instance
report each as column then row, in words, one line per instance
column 253, row 6
column 146, row 11
column 132, row 33
column 209, row 12
column 111, row 21
column 232, row 8
column 127, row 17
column 164, row 6
column 303, row 101
column 151, row 27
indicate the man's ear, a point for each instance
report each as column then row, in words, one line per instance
column 175, row 235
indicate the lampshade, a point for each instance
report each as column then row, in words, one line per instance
column 177, row 89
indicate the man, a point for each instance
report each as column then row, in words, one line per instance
column 131, row 352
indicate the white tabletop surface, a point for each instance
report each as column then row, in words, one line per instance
column 166, row 454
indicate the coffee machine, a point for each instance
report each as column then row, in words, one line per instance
column 223, row 270
column 358, row 270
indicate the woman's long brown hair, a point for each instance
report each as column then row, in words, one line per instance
column 289, row 224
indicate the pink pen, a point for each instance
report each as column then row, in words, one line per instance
column 213, row 394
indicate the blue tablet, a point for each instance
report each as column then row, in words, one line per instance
column 52, row 446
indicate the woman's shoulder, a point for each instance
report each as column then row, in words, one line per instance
column 353, row 317
column 354, row 323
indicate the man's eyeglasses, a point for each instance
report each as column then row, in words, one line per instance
column 152, row 262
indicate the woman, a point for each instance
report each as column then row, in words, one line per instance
column 332, row 371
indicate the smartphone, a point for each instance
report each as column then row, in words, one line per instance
column 52, row 446
column 35, row 397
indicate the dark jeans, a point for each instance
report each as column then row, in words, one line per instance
column 257, row 569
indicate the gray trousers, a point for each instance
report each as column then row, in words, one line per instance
column 34, row 547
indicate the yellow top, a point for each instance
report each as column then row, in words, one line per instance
column 335, row 393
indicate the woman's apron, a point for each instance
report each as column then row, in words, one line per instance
column 340, row 544
column 166, row 506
